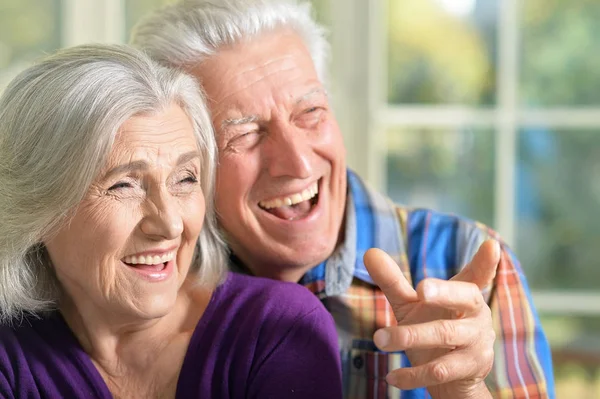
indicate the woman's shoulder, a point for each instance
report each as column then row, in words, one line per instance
column 34, row 339
column 267, row 331
column 259, row 304
column 259, row 291
column 36, row 355
column 284, row 336
column 25, row 330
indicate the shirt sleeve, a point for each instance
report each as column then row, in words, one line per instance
column 304, row 363
column 522, row 356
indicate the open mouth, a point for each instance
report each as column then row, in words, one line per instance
column 294, row 207
column 149, row 263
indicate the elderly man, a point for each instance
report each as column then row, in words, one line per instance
column 291, row 211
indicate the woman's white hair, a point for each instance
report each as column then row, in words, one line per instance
column 185, row 33
column 58, row 121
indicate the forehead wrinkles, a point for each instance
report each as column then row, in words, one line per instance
column 153, row 140
column 261, row 85
column 156, row 157
column 265, row 70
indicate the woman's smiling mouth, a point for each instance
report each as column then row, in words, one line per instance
column 155, row 266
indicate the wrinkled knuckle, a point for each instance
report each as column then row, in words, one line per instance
column 447, row 332
column 486, row 361
column 487, row 312
column 490, row 355
column 440, row 373
column 409, row 337
column 485, row 316
column 491, row 336
column 489, row 361
column 477, row 297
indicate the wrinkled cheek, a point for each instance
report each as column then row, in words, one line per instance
column 194, row 220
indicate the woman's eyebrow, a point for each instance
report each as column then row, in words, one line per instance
column 144, row 165
column 127, row 167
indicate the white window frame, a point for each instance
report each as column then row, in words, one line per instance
column 360, row 63
column 92, row 21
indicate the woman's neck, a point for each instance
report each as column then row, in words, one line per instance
column 139, row 356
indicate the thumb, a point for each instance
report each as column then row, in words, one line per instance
column 482, row 268
column 390, row 279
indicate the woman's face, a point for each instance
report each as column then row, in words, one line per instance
column 130, row 244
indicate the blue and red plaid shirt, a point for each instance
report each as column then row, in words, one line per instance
column 424, row 243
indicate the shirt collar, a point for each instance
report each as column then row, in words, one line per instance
column 372, row 221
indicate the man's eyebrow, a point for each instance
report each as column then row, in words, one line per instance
column 143, row 165
column 311, row 93
column 254, row 118
column 239, row 121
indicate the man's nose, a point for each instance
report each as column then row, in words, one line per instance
column 162, row 219
column 289, row 153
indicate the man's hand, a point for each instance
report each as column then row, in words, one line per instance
column 445, row 327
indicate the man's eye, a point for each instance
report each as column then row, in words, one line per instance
column 245, row 140
column 247, row 134
column 120, row 185
column 310, row 117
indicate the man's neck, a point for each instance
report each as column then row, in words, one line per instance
column 293, row 275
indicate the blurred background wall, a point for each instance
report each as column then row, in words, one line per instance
column 487, row 108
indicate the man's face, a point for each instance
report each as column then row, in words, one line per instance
column 281, row 181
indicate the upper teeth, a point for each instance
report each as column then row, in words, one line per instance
column 292, row 199
column 148, row 259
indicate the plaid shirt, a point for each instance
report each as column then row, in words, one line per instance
column 424, row 244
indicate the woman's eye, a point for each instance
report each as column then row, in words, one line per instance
column 189, row 179
column 120, row 185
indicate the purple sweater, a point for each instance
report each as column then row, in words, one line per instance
column 257, row 339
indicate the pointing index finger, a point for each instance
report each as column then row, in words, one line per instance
column 388, row 276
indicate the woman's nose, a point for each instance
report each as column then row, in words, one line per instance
column 162, row 219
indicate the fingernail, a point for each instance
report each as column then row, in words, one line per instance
column 497, row 249
column 430, row 290
column 390, row 379
column 381, row 338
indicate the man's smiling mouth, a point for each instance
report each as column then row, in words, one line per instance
column 295, row 206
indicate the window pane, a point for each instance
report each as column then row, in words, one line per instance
column 135, row 9
column 322, row 11
column 447, row 170
column 560, row 52
column 28, row 29
column 442, row 51
column 575, row 353
column 558, row 198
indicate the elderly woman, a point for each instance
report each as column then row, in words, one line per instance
column 112, row 275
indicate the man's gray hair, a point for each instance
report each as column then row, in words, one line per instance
column 186, row 33
column 58, row 122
